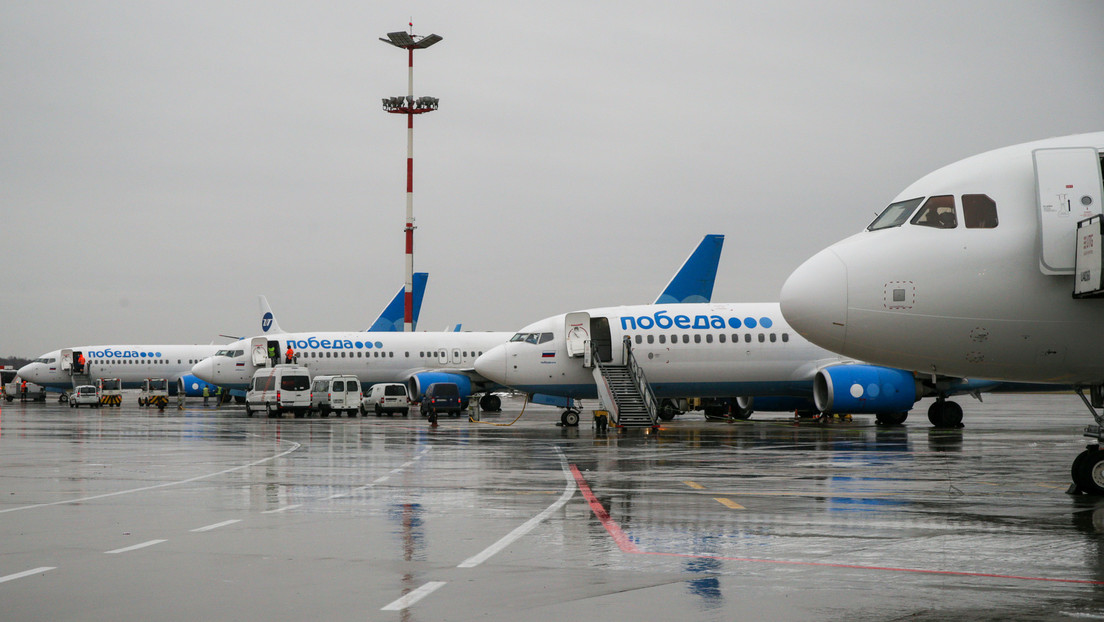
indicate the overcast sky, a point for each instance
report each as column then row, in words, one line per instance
column 162, row 164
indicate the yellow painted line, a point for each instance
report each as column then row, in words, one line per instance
column 695, row 485
column 728, row 503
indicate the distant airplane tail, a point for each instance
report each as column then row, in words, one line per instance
column 694, row 280
column 394, row 315
column 269, row 325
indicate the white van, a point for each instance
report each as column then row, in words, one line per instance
column 280, row 389
column 336, row 393
column 386, row 397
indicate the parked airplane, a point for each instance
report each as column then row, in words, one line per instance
column 979, row 270
column 61, row 370
column 418, row 359
column 703, row 350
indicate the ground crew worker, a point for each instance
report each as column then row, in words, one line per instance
column 272, row 354
column 80, row 363
column 206, row 394
column 23, row 391
column 289, row 355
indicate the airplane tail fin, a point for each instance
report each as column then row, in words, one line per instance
column 392, row 317
column 694, row 280
column 269, row 325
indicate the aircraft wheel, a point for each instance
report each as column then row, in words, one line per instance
column 378, row 411
column 570, row 418
column 944, row 414
column 891, row 418
column 1088, row 471
column 741, row 413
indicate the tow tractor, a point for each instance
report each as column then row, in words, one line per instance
column 111, row 391
column 154, row 392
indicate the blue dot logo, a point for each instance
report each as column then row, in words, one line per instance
column 766, row 322
column 734, row 322
column 359, row 344
column 266, row 321
column 749, row 322
column 379, row 344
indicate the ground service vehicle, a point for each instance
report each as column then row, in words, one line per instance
column 154, row 392
column 87, row 395
column 111, row 391
column 11, row 385
column 442, row 397
column 335, row 393
column 280, row 389
column 386, row 397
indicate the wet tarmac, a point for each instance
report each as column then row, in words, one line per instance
column 130, row 514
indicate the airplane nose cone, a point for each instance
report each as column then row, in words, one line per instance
column 492, row 364
column 204, row 370
column 814, row 300
column 29, row 372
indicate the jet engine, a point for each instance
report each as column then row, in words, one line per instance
column 869, row 389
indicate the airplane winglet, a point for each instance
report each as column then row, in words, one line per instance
column 392, row 317
column 694, row 280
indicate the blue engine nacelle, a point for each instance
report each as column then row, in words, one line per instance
column 419, row 382
column 864, row 389
column 774, row 403
column 193, row 387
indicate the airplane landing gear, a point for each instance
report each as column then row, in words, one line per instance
column 569, row 418
column 1088, row 471
column 945, row 414
column 891, row 418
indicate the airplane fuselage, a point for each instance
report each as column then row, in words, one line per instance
column 685, row 350
column 974, row 298
column 130, row 363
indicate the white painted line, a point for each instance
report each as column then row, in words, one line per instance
column 414, row 596
column 380, row 480
column 283, row 509
column 135, row 547
column 26, row 573
column 527, row 526
column 156, row 486
column 217, row 525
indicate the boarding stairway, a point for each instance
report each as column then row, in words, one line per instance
column 625, row 391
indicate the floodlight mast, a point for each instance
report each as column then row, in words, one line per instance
column 409, row 106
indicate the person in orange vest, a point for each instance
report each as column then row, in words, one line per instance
column 289, row 356
column 23, row 391
column 80, row 362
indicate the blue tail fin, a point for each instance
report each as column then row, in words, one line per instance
column 694, row 280
column 391, row 319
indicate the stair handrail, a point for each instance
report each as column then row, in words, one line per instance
column 637, row 373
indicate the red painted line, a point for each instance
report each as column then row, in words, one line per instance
column 611, row 526
column 627, row 546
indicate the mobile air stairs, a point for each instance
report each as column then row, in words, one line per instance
column 623, row 389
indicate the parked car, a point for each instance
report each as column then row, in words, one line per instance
column 386, row 397
column 85, row 394
column 442, row 397
column 335, row 393
column 279, row 389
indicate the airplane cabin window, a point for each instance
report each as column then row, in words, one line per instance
column 651, row 338
column 895, row 215
column 709, row 338
column 686, row 338
column 639, row 339
column 663, row 338
column 761, row 338
column 938, row 212
column 747, row 337
column 721, row 338
column 785, row 337
column 773, row 337
column 697, row 338
column 979, row 211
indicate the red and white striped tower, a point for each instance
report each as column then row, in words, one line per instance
column 410, row 107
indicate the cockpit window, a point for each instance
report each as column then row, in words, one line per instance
column 534, row 338
column 979, row 211
column 937, row 212
column 895, row 215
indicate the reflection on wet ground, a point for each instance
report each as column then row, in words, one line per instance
column 204, row 513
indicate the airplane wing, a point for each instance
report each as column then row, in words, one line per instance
column 391, row 319
column 694, row 280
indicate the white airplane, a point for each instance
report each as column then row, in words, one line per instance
column 417, row 359
column 980, row 270
column 745, row 351
column 61, row 370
